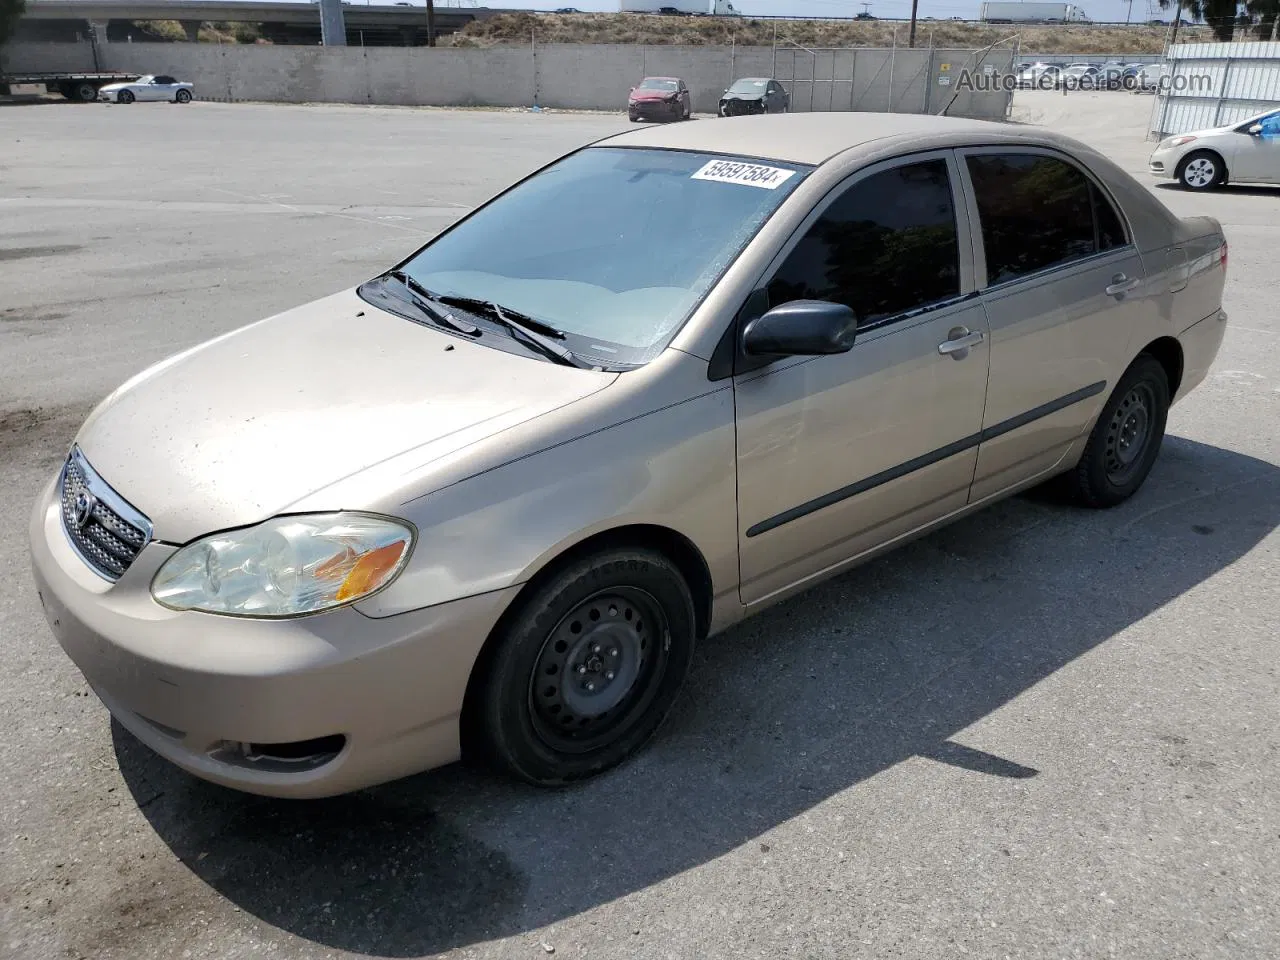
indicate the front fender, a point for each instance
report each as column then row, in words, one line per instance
column 673, row 467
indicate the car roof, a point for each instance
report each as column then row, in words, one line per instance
column 813, row 138
column 660, row 78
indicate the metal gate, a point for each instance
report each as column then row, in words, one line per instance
column 892, row 79
column 1215, row 84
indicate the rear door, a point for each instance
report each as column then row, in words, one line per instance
column 1062, row 284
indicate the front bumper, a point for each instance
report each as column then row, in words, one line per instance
column 735, row 107
column 199, row 688
column 654, row 109
column 1164, row 163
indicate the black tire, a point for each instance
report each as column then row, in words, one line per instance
column 584, row 672
column 1125, row 440
column 1201, row 170
column 182, row 96
column 86, row 92
column 124, row 96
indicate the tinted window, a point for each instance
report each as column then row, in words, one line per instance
column 887, row 245
column 1110, row 229
column 1038, row 212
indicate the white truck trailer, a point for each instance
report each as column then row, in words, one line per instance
column 688, row 8
column 1018, row 12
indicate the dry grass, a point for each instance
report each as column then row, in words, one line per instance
column 210, row 31
column 519, row 28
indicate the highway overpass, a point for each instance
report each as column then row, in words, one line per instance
column 113, row 20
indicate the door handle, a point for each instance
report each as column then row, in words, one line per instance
column 1120, row 285
column 961, row 339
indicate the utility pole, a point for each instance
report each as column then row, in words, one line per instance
column 1177, row 22
column 1275, row 22
column 431, row 23
column 911, row 41
column 1129, row 13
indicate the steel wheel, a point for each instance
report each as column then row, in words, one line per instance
column 1129, row 433
column 584, row 670
column 598, row 669
column 1125, row 439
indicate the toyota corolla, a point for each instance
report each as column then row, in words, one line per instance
column 487, row 502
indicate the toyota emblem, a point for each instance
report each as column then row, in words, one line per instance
column 85, row 503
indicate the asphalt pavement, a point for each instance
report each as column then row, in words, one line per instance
column 1044, row 732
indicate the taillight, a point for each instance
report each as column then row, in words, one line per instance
column 1222, row 255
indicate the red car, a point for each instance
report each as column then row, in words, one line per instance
column 659, row 98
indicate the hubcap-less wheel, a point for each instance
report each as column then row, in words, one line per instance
column 598, row 670
column 1128, row 433
column 1200, row 172
column 124, row 96
column 183, row 96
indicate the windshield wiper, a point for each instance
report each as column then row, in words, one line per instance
column 502, row 313
column 526, row 326
column 422, row 297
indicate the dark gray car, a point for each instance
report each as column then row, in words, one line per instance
column 754, row 95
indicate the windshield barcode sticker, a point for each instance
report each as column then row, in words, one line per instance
column 747, row 174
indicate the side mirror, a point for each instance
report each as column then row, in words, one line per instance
column 1256, row 129
column 802, row 328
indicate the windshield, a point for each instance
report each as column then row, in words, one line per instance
column 748, row 86
column 652, row 84
column 614, row 247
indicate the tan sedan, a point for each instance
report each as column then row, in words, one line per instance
column 488, row 501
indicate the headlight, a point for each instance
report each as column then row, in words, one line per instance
column 286, row 567
column 1178, row 141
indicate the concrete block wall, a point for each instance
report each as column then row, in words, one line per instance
column 581, row 76
column 33, row 57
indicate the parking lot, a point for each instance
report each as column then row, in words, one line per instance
column 1041, row 733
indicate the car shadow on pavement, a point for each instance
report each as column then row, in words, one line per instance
column 886, row 663
column 1231, row 189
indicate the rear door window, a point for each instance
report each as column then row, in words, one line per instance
column 1037, row 212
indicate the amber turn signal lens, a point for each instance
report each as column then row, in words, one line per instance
column 371, row 570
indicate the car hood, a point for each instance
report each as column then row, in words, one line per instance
column 113, row 87
column 1211, row 132
column 743, row 96
column 645, row 95
column 238, row 429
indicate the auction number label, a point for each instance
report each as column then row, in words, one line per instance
column 747, row 174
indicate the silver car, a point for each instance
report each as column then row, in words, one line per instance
column 489, row 500
column 148, row 87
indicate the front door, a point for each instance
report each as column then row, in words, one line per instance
column 1257, row 155
column 160, row 88
column 839, row 454
column 1064, row 286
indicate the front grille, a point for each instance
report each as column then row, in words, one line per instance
column 105, row 530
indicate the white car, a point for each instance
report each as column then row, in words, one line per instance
column 1244, row 152
column 1042, row 76
column 157, row 87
